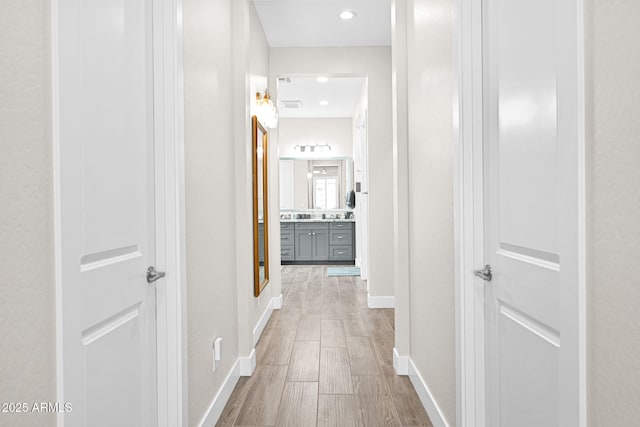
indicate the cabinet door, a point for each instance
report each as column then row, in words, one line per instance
column 304, row 245
column 320, row 245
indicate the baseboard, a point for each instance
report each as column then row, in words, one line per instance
column 429, row 403
column 262, row 322
column 380, row 302
column 246, row 365
column 277, row 302
column 218, row 403
column 400, row 363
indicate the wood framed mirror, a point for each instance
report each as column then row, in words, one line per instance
column 259, row 156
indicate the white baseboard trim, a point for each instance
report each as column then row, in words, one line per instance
column 380, row 302
column 218, row 403
column 277, row 302
column 400, row 363
column 262, row 322
column 274, row 304
column 429, row 403
column 246, row 365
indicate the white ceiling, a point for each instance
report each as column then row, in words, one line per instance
column 315, row 23
column 342, row 94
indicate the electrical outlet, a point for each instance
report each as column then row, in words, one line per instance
column 217, row 352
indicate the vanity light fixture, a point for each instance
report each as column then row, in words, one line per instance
column 312, row 148
column 324, row 103
column 322, row 79
column 265, row 110
column 347, row 15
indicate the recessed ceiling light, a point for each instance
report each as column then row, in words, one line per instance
column 347, row 15
column 322, row 79
column 324, row 103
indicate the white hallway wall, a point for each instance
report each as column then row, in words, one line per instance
column 27, row 291
column 613, row 206
column 374, row 62
column 218, row 171
column 336, row 132
column 429, row 299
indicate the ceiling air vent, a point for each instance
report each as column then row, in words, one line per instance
column 291, row 104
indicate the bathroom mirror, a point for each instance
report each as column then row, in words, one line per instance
column 259, row 144
column 315, row 183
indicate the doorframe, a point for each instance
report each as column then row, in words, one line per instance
column 171, row 344
column 468, row 223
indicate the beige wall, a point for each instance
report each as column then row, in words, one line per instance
column 335, row 132
column 375, row 63
column 613, row 222
column 430, row 194
column 27, row 289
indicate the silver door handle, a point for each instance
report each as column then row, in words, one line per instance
column 484, row 274
column 153, row 275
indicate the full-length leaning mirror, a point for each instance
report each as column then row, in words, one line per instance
column 259, row 150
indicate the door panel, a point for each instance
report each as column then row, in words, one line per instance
column 304, row 245
column 522, row 213
column 107, row 211
column 320, row 245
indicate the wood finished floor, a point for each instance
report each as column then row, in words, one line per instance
column 324, row 360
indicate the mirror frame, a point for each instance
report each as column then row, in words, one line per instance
column 257, row 130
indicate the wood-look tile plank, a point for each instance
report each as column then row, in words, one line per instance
column 332, row 333
column 261, row 404
column 339, row 410
column 410, row 409
column 299, row 405
column 278, row 349
column 289, row 318
column 390, row 316
column 335, row 371
column 354, row 325
column 305, row 361
column 363, row 357
column 232, row 408
column 309, row 328
column 376, row 402
column 384, row 342
column 331, row 307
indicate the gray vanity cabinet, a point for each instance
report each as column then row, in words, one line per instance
column 287, row 236
column 312, row 241
column 322, row 241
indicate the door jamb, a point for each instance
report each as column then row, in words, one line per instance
column 468, row 212
column 170, row 213
column 170, row 210
column 468, row 220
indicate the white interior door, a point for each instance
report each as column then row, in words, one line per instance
column 107, row 227
column 526, row 172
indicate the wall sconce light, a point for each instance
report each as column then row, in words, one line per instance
column 312, row 149
column 266, row 112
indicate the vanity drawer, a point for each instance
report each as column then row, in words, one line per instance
column 287, row 253
column 312, row 226
column 341, row 226
column 286, row 237
column 341, row 237
column 286, row 226
column 340, row 253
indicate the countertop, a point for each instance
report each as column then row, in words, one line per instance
column 319, row 220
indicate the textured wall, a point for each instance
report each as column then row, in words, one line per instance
column 429, row 50
column 27, row 290
column 613, row 224
column 209, row 154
